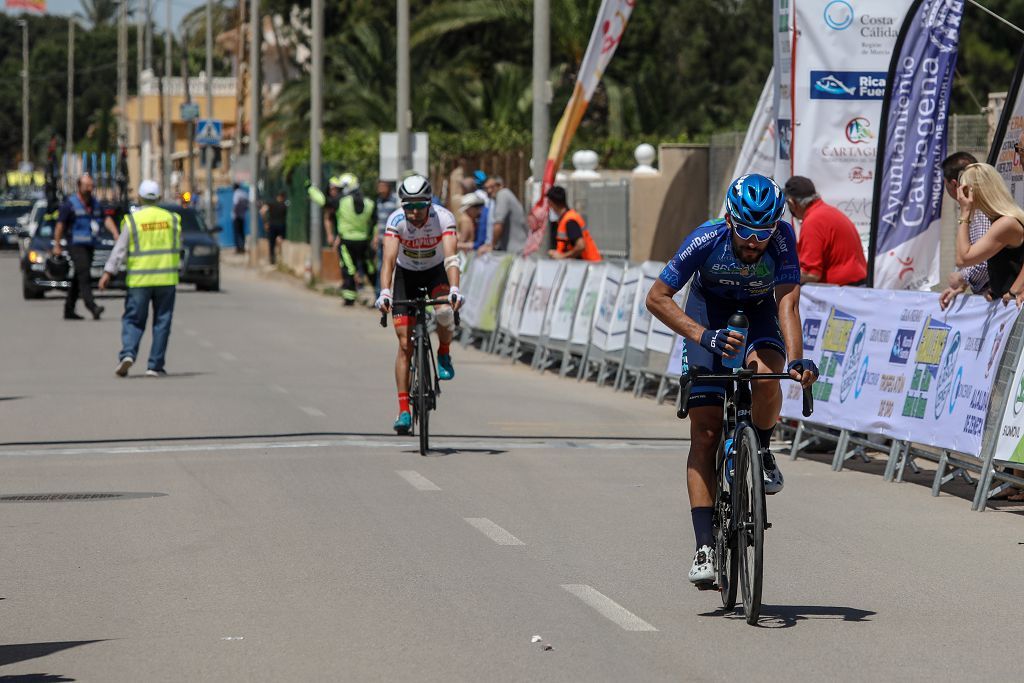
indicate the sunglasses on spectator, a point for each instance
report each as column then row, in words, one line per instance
column 414, row 206
column 745, row 232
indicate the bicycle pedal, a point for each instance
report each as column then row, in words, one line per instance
column 707, row 586
column 767, row 525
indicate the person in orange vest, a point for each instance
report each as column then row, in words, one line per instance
column 572, row 239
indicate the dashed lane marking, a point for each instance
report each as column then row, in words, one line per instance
column 418, row 481
column 315, row 412
column 608, row 608
column 227, row 355
column 493, row 531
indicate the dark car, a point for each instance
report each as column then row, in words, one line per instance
column 200, row 254
column 35, row 281
column 11, row 213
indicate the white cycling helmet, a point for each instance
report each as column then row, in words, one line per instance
column 415, row 188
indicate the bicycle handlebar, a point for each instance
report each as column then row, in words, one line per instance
column 742, row 375
column 418, row 303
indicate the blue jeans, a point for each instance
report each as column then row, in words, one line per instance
column 133, row 322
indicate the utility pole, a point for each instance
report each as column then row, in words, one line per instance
column 168, row 143
column 122, row 73
column 403, row 115
column 148, row 20
column 69, row 134
column 140, row 51
column 209, row 111
column 256, row 102
column 24, row 91
column 541, row 66
column 316, row 124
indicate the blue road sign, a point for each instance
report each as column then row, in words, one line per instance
column 208, row 132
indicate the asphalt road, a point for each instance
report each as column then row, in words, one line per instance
column 277, row 530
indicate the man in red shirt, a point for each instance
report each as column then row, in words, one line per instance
column 829, row 245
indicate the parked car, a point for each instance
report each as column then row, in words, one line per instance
column 35, row 282
column 200, row 257
column 11, row 214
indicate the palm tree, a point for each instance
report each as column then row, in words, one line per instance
column 102, row 12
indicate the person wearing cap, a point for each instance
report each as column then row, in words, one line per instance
column 79, row 219
column 481, row 238
column 572, row 239
column 239, row 210
column 352, row 222
column 471, row 205
column 150, row 245
column 829, row 245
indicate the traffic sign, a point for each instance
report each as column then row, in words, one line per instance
column 189, row 111
column 208, row 132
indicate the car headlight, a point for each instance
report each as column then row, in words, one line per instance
column 36, row 256
column 202, row 250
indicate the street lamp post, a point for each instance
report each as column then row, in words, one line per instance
column 69, row 134
column 209, row 110
column 316, row 122
column 168, row 144
column 541, row 64
column 255, row 43
column 403, row 114
column 24, row 92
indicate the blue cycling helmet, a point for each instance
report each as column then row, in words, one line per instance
column 755, row 201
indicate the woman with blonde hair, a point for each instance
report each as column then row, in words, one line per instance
column 982, row 189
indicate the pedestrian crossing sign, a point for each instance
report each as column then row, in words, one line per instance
column 208, row 132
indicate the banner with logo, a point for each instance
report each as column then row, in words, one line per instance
column 781, row 77
column 1010, row 133
column 545, row 278
column 28, row 5
column 508, row 299
column 1009, row 444
column 604, row 314
column 906, row 227
column 758, row 153
column 842, row 57
column 604, row 39
column 566, row 300
column 892, row 363
column 641, row 325
column 583, row 321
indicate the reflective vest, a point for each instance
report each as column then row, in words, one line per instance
column 154, row 247
column 563, row 245
column 355, row 226
column 82, row 229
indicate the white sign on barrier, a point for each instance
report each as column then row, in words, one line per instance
column 660, row 338
column 641, row 324
column 621, row 318
column 556, row 287
column 605, row 313
column 892, row 363
column 1009, row 445
column 583, row 321
column 515, row 276
column 519, row 303
column 565, row 302
column 545, row 277
column 675, row 357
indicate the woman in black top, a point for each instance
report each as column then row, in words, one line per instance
column 982, row 189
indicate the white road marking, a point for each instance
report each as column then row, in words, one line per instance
column 493, row 531
column 315, row 412
column 227, row 355
column 418, row 481
column 206, row 344
column 278, row 388
column 348, row 442
column 608, row 608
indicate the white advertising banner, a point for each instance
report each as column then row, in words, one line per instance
column 1009, row 445
column 515, row 276
column 660, row 338
column 842, row 62
column 675, row 358
column 583, row 321
column 608, row 294
column 757, row 155
column 892, row 363
column 1010, row 133
column 522, row 291
column 624, row 300
column 566, row 300
column 545, row 277
column 641, row 325
column 482, row 270
column 782, row 81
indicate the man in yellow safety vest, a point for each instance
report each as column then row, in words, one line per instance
column 150, row 241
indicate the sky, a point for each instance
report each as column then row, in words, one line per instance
column 179, row 8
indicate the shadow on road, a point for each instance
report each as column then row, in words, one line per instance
column 35, row 678
column 787, row 616
column 10, row 654
column 441, row 452
column 12, row 398
column 171, row 375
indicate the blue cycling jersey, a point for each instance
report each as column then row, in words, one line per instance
column 707, row 257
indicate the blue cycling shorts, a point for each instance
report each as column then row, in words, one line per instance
column 713, row 313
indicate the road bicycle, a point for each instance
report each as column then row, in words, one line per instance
column 424, row 386
column 740, row 517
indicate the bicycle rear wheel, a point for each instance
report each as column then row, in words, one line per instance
column 423, row 390
column 748, row 511
column 726, row 558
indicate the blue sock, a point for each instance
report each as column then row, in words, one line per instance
column 702, row 526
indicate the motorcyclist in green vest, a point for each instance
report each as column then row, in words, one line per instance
column 150, row 242
column 352, row 226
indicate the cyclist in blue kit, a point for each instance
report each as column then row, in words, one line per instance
column 746, row 261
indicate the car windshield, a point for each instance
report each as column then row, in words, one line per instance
column 10, row 213
column 191, row 220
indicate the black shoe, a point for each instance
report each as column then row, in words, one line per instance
column 97, row 311
column 349, row 302
column 72, row 316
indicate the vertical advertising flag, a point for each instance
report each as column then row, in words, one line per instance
column 1010, row 133
column 757, row 155
column 27, row 5
column 907, row 209
column 842, row 54
column 783, row 48
column 604, row 39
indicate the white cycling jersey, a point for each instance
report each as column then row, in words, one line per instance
column 420, row 248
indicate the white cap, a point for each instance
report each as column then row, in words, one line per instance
column 149, row 189
column 470, row 199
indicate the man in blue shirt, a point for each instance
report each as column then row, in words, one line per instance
column 745, row 262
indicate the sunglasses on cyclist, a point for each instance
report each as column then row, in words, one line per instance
column 745, row 232
column 413, row 206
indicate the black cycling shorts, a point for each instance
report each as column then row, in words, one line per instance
column 713, row 313
column 414, row 284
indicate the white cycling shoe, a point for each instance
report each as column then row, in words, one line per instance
column 702, row 573
column 773, row 481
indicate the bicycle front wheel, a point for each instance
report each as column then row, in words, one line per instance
column 749, row 515
column 423, row 391
column 725, row 539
